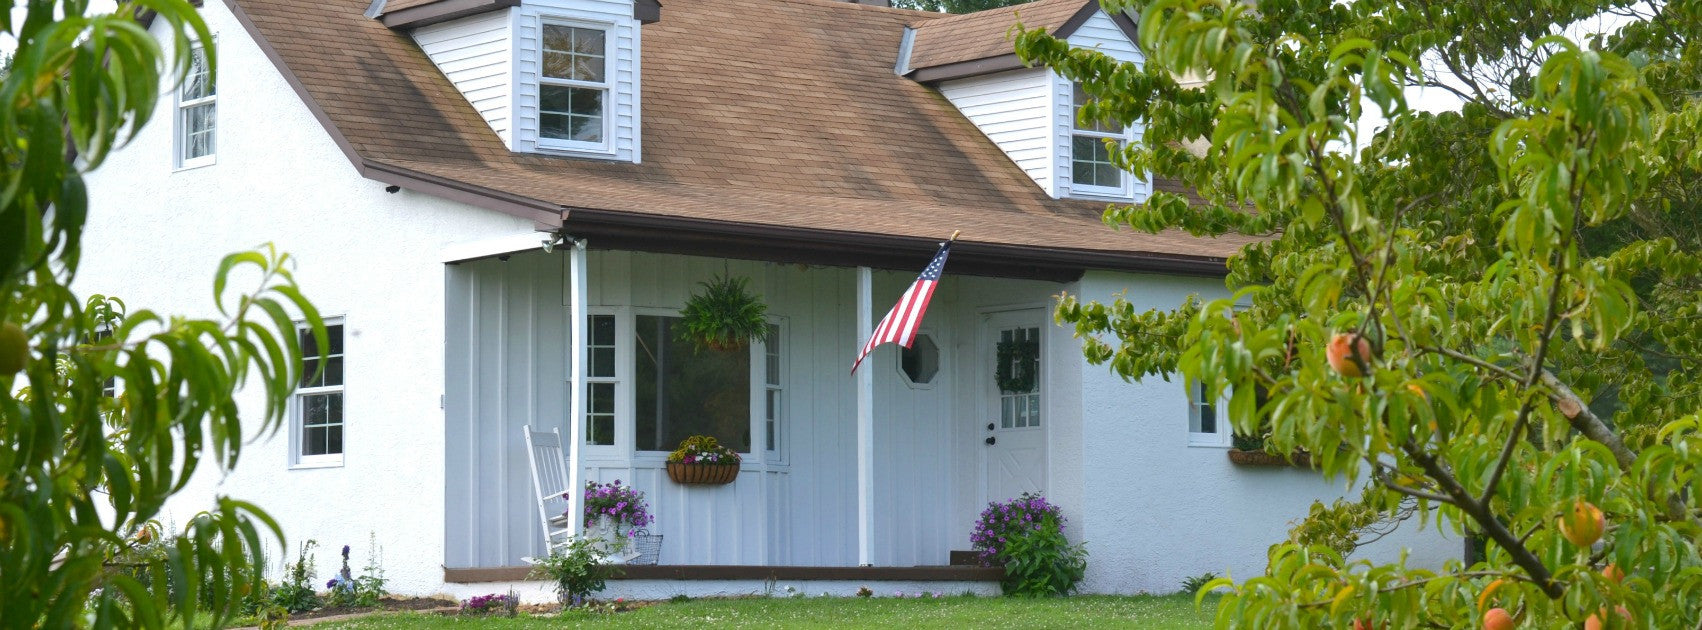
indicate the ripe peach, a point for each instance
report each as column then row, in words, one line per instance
column 1341, row 344
column 1583, row 524
column 1594, row 622
column 1613, row 572
column 1497, row 619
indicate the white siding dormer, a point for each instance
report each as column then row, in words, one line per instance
column 557, row 77
column 1101, row 34
column 567, row 124
column 475, row 53
column 1030, row 114
column 1014, row 109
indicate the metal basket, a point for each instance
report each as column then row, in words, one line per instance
column 648, row 546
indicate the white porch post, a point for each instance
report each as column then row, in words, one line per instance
column 865, row 425
column 576, row 378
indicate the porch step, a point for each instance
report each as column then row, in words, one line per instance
column 964, row 559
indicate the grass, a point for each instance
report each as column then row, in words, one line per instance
column 1147, row 612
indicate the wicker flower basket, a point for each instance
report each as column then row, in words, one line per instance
column 1262, row 458
column 702, row 474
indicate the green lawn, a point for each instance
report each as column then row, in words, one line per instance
column 1148, row 613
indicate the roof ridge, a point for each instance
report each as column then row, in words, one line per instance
column 985, row 13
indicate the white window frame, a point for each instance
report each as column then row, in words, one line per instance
column 1126, row 187
column 774, row 442
column 939, row 370
column 607, row 86
column 1222, row 435
column 328, row 460
column 619, row 392
column 180, row 139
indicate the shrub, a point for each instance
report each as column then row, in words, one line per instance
column 506, row 605
column 575, row 570
column 1026, row 535
column 296, row 594
column 1193, row 585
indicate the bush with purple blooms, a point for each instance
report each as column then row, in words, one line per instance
column 624, row 505
column 506, row 605
column 1026, row 536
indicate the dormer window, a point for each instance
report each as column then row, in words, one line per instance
column 1092, row 171
column 573, row 87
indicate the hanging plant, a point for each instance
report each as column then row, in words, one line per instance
column 723, row 316
column 1019, row 365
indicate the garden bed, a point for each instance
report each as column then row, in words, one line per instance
column 388, row 604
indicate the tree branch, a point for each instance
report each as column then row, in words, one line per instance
column 1533, row 566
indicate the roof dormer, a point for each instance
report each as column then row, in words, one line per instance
column 1031, row 113
column 556, row 77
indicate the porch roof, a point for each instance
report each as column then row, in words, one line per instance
column 772, row 129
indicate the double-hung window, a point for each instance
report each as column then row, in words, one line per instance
column 600, row 381
column 196, row 112
column 774, row 389
column 1092, row 171
column 573, row 90
column 319, row 400
column 1207, row 425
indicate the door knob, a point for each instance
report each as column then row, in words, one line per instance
column 991, row 440
column 990, row 426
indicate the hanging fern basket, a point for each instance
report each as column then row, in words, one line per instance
column 723, row 316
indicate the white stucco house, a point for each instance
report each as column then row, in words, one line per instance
column 416, row 156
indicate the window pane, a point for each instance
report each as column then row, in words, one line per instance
column 1033, row 410
column 682, row 392
column 571, row 113
column 1090, row 163
column 198, row 130
column 333, row 371
column 1007, row 414
column 335, row 332
column 603, row 330
column 334, row 439
column 310, row 374
column 198, row 84
column 600, row 414
column 573, row 53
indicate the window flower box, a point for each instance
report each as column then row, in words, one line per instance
column 1262, row 458
column 703, row 474
column 701, row 460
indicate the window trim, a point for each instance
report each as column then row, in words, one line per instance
column 298, row 461
column 934, row 337
column 607, row 86
column 180, row 144
column 775, row 453
column 1224, row 435
column 1126, row 187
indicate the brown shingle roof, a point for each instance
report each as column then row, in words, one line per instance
column 760, row 113
column 985, row 34
column 398, row 5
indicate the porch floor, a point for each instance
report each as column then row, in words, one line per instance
column 750, row 572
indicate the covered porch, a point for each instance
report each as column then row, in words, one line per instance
column 942, row 437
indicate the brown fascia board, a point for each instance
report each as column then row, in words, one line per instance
column 442, row 11
column 674, row 235
column 1009, row 61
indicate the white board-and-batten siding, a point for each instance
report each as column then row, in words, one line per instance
column 476, row 54
column 1013, row 109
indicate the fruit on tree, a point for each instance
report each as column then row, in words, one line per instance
column 1613, row 572
column 1338, row 352
column 1583, row 524
column 1594, row 622
column 14, row 349
column 1497, row 619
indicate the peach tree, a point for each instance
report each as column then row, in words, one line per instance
column 106, row 411
column 1494, row 310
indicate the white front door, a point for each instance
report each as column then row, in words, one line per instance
column 1014, row 428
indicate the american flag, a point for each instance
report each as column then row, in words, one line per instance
column 901, row 323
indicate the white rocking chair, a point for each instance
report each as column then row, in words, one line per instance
column 549, row 482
